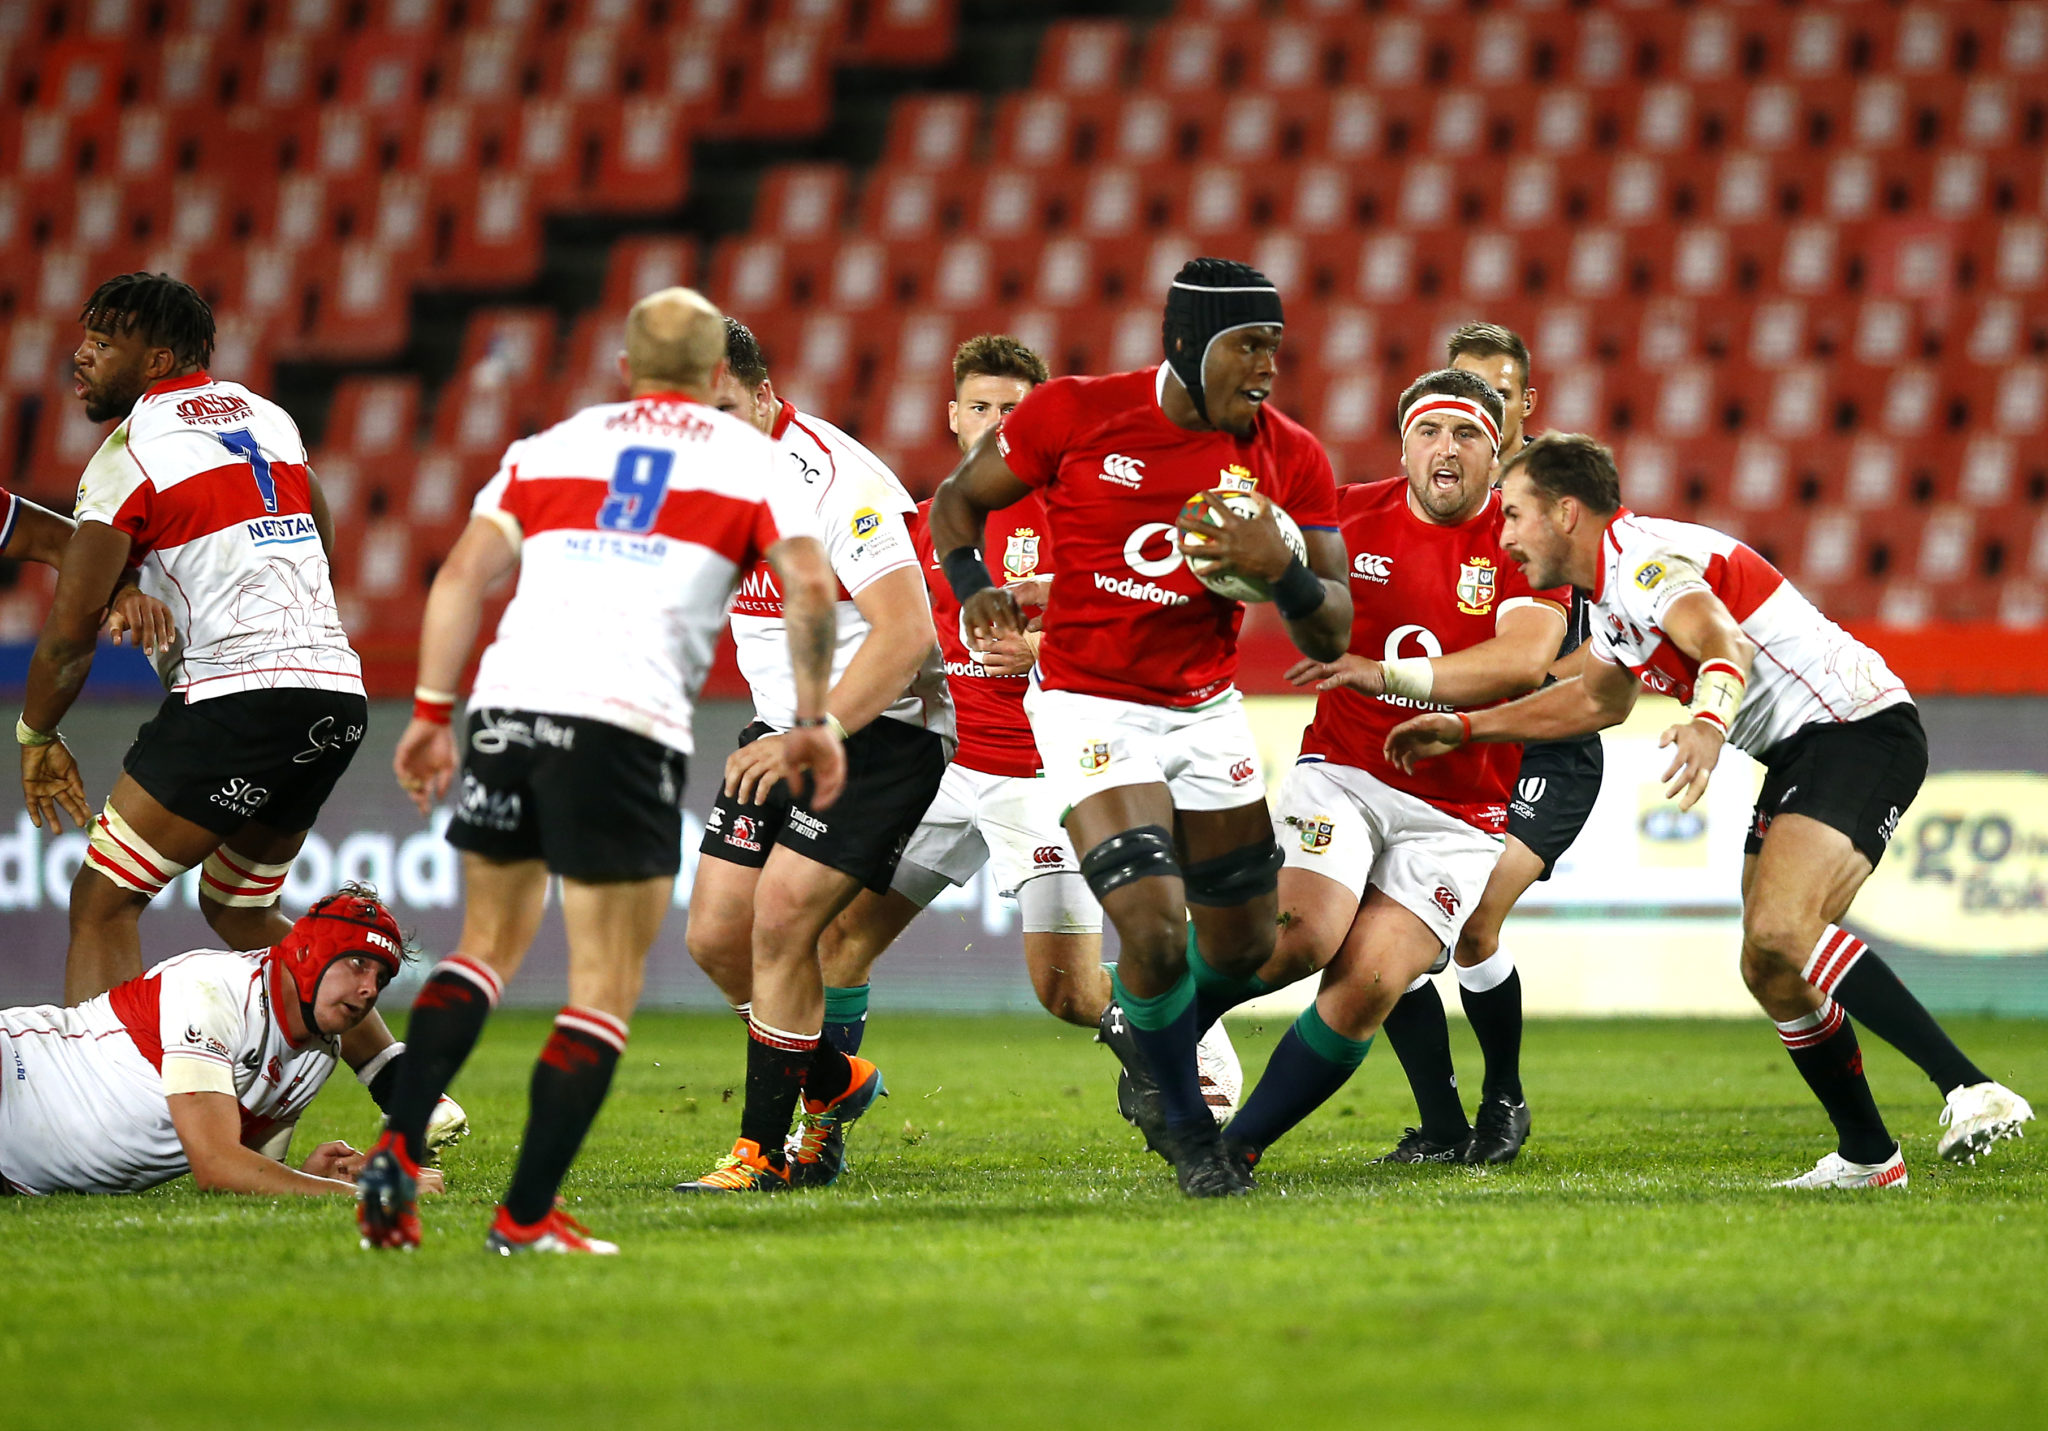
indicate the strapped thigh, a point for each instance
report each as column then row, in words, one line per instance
column 239, row 882
column 1143, row 853
column 125, row 858
column 1243, row 875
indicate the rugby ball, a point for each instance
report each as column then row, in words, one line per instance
column 1213, row 574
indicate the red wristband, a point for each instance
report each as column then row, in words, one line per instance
column 1465, row 722
column 1711, row 719
column 433, row 712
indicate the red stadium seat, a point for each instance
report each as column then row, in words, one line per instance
column 1083, row 56
column 801, row 201
column 374, row 417
column 645, row 263
column 902, row 32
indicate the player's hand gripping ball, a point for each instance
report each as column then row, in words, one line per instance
column 1213, row 572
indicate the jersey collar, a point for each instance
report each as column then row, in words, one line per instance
column 177, row 385
column 1607, row 540
column 783, row 419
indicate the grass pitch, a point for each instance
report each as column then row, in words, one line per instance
column 1004, row 1254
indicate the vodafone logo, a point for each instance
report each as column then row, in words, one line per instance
column 1425, row 640
column 1153, row 537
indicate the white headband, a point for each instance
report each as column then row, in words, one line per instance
column 1445, row 402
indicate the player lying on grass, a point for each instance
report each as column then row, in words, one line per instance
column 1384, row 865
column 1691, row 612
column 201, row 1065
column 994, row 808
column 1134, row 704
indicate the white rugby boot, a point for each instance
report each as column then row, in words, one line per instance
column 1836, row 1171
column 1978, row 1115
column 1222, row 1075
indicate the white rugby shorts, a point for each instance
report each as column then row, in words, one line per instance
column 1008, row 822
column 1206, row 755
column 1347, row 825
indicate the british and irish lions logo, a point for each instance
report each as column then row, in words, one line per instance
column 1316, row 831
column 1094, row 756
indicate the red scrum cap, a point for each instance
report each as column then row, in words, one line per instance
column 350, row 922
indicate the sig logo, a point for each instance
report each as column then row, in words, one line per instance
column 1446, row 900
column 1047, row 857
column 1241, row 772
column 866, row 522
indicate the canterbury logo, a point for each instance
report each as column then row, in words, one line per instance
column 1122, row 470
column 1369, row 566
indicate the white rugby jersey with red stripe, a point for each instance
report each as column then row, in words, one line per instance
column 860, row 509
column 210, row 481
column 84, row 1104
column 634, row 523
column 1808, row 671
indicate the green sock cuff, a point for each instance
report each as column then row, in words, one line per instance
column 1155, row 1013
column 1210, row 980
column 1326, row 1043
column 846, row 1006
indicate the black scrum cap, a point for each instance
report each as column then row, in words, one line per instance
column 1211, row 297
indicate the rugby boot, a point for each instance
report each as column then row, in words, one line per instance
column 1243, row 1156
column 1201, row 1165
column 1221, row 1074
column 1417, row 1146
column 1137, row 1092
column 1836, row 1171
column 387, row 1197
column 817, row 1147
column 1498, row 1130
column 744, row 1169
column 1977, row 1116
column 557, row 1232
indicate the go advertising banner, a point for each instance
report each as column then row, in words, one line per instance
column 1642, row 915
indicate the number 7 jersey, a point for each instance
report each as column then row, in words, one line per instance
column 634, row 523
column 210, row 483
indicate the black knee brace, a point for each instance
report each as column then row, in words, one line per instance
column 1239, row 877
column 1135, row 854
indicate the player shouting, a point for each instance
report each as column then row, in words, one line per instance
column 1383, row 866
column 1133, row 708
column 630, row 524
column 1690, row 611
column 1554, row 791
column 776, row 868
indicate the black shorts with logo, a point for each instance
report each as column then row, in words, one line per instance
column 1554, row 793
column 597, row 803
column 1854, row 776
column 271, row 756
column 893, row 771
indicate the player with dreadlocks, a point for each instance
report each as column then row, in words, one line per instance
column 1134, row 706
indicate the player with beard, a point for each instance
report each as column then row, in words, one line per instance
column 1554, row 792
column 1383, row 867
column 1691, row 611
column 204, row 491
column 776, row 868
column 994, row 807
column 1133, row 706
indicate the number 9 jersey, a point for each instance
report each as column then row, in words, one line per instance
column 634, row 523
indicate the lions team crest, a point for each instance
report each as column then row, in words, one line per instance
column 1316, row 831
column 1476, row 581
column 1020, row 555
column 1094, row 755
column 1236, row 479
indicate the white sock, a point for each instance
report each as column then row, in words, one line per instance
column 1489, row 973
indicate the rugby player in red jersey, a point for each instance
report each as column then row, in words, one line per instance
column 1691, row 611
column 1133, row 706
column 1383, row 867
column 993, row 807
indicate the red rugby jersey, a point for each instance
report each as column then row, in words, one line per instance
column 1127, row 618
